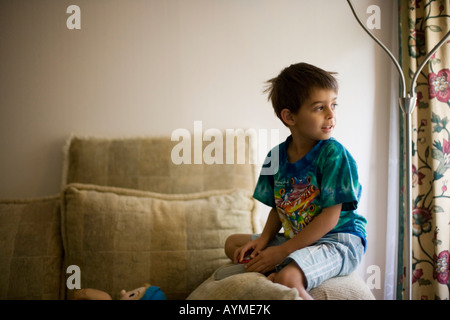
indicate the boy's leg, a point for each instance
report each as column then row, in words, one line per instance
column 333, row 255
column 293, row 277
column 234, row 242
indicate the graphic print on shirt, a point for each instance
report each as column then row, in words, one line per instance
column 294, row 204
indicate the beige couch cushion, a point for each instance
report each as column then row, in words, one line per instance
column 30, row 249
column 351, row 287
column 145, row 163
column 244, row 286
column 255, row 286
column 123, row 238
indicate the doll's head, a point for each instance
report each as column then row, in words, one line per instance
column 135, row 294
column 147, row 292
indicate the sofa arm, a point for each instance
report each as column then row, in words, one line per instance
column 31, row 249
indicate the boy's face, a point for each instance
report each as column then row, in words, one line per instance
column 316, row 118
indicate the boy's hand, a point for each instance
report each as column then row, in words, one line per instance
column 266, row 260
column 250, row 249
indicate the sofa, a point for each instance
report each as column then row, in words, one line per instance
column 127, row 215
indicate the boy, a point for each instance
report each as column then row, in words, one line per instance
column 313, row 195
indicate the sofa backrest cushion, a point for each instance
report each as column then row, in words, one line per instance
column 146, row 163
column 123, row 238
column 30, row 249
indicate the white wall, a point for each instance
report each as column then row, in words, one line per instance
column 149, row 67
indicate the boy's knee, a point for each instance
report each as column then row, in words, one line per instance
column 231, row 245
column 291, row 276
column 236, row 240
column 283, row 277
column 230, row 241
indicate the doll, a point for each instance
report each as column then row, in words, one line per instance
column 147, row 292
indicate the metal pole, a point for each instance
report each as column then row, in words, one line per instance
column 408, row 105
column 408, row 255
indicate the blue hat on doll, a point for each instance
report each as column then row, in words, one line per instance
column 153, row 293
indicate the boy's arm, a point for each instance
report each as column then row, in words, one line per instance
column 271, row 228
column 273, row 225
column 268, row 259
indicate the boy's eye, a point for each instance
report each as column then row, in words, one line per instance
column 320, row 108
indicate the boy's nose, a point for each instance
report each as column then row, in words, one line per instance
column 331, row 113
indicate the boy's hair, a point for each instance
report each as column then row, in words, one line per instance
column 291, row 88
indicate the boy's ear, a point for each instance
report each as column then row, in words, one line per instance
column 286, row 116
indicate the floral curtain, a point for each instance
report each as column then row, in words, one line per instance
column 423, row 23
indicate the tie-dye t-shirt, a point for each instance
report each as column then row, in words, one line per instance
column 324, row 177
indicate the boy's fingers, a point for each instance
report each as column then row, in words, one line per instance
column 236, row 255
column 252, row 263
column 239, row 254
column 243, row 253
column 252, row 266
column 239, row 257
column 255, row 252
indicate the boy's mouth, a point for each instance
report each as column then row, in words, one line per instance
column 328, row 128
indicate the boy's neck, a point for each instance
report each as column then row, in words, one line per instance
column 298, row 148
